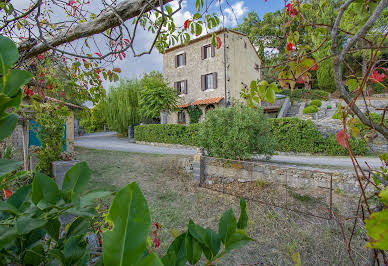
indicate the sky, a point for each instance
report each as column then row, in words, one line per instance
column 134, row 67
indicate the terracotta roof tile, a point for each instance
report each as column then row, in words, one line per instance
column 202, row 102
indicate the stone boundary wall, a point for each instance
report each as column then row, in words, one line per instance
column 167, row 145
column 209, row 170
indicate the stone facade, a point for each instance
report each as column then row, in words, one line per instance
column 236, row 64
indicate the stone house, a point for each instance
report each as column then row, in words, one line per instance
column 207, row 77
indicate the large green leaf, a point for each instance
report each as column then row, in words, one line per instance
column 15, row 80
column 243, row 220
column 150, row 260
column 78, row 227
column 7, row 166
column 53, row 227
column 236, row 240
column 20, row 196
column 377, row 229
column 89, row 199
column 7, row 125
column 74, row 250
column 34, row 255
column 176, row 253
column 227, row 225
column 126, row 243
column 6, row 207
column 25, row 224
column 7, row 234
column 75, row 182
column 8, row 51
column 44, row 190
column 193, row 249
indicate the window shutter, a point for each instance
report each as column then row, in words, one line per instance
column 215, row 80
column 185, row 86
column 176, row 61
column 213, row 51
column 184, row 59
column 203, row 52
column 176, row 87
column 203, row 82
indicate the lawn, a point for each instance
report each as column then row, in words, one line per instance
column 173, row 199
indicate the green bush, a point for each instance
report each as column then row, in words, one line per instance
column 359, row 147
column 378, row 88
column 236, row 133
column 310, row 109
column 170, row 133
column 316, row 103
column 325, row 76
column 303, row 94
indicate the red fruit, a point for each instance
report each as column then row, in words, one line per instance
column 219, row 42
column 291, row 11
column 342, row 138
column 186, row 24
column 377, row 77
column 7, row 193
column 289, row 46
column 83, row 60
column 41, row 56
column 62, row 93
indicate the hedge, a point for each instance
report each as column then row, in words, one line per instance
column 311, row 109
column 168, row 133
column 291, row 135
column 303, row 94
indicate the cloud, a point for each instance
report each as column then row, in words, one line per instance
column 234, row 13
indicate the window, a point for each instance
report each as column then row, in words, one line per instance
column 182, row 117
column 180, row 60
column 181, row 87
column 209, row 81
column 208, row 51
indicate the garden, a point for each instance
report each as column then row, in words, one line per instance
column 117, row 208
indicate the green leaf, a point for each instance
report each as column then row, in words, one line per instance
column 236, row 241
column 352, row 84
column 177, row 250
column 75, row 182
column 57, row 254
column 89, row 199
column 53, row 228
column 126, row 243
column 383, row 195
column 44, row 190
column 377, row 229
column 8, row 51
column 34, row 255
column 270, row 95
column 243, row 220
column 20, row 196
column 6, row 207
column 150, row 260
column 78, row 227
column 25, row 224
column 227, row 225
column 7, row 234
column 193, row 249
column 16, row 79
column 7, row 125
column 74, row 250
column 198, row 29
column 168, row 9
column 7, row 166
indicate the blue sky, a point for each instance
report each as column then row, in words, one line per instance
column 135, row 67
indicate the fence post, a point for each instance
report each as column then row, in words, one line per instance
column 199, row 167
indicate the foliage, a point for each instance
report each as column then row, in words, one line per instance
column 379, row 88
column 94, row 119
column 303, row 94
column 311, row 109
column 168, row 133
column 259, row 91
column 316, row 103
column 10, row 82
column 52, row 119
column 247, row 132
column 156, row 96
column 297, row 135
column 122, row 106
column 195, row 114
column 325, row 77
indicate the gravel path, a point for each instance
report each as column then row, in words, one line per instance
column 109, row 141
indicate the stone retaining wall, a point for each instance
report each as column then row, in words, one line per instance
column 209, row 170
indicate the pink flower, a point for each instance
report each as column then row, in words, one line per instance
column 156, row 242
column 219, row 42
column 289, row 46
column 7, row 193
column 377, row 77
column 62, row 93
column 186, row 24
column 291, row 11
column 41, row 56
column 71, row 3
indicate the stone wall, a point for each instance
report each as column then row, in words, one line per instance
column 209, row 170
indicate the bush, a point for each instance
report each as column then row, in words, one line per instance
column 310, row 109
column 316, row 103
column 303, row 94
column 359, row 147
column 236, row 133
column 171, row 133
column 325, row 76
column 378, row 88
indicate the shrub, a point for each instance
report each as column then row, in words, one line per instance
column 310, row 109
column 378, row 88
column 194, row 113
column 171, row 133
column 359, row 147
column 325, row 76
column 236, row 133
column 316, row 103
column 303, row 94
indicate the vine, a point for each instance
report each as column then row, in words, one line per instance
column 195, row 114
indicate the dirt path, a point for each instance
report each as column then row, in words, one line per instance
column 173, row 199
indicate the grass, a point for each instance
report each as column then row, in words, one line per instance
column 173, row 199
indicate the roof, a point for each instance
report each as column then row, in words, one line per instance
column 205, row 37
column 70, row 105
column 202, row 102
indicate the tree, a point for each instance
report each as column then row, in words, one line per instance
column 156, row 96
column 122, row 106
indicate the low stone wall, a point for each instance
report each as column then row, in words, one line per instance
column 209, row 170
